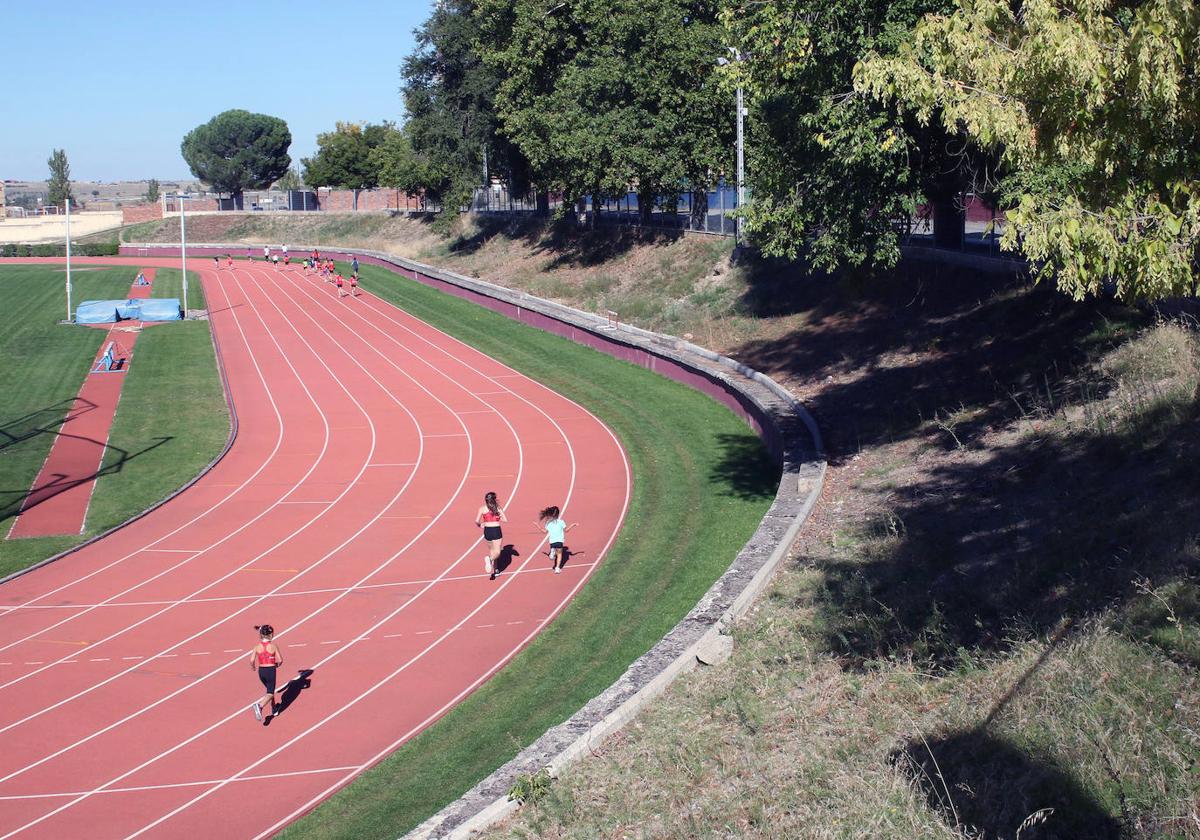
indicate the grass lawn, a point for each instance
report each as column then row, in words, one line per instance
column 691, row 511
column 173, row 367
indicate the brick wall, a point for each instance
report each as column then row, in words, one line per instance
column 141, row 213
column 341, row 201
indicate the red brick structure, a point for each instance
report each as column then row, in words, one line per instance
column 141, row 213
column 342, row 201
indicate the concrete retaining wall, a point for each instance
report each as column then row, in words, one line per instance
column 786, row 428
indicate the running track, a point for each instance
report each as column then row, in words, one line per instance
column 343, row 514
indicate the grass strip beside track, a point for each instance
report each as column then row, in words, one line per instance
column 701, row 483
column 46, row 364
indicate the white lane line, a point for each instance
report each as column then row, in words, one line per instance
column 399, row 552
column 228, row 498
column 181, row 643
column 280, row 426
column 176, row 550
column 300, row 592
column 146, row 788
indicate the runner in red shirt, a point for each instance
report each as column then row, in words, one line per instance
column 354, row 285
column 265, row 659
column 339, row 281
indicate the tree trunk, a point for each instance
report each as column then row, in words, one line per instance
column 645, row 207
column 543, row 203
column 949, row 222
column 699, row 210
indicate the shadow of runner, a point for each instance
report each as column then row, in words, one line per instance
column 987, row 787
column 291, row 692
column 507, row 553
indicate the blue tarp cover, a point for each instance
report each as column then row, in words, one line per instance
column 139, row 309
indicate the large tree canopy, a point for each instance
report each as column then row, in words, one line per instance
column 1094, row 105
column 238, row 150
column 449, row 95
column 343, row 157
column 602, row 94
column 830, row 174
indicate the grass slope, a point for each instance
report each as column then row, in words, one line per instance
column 173, row 367
column 692, row 509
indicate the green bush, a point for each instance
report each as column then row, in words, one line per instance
column 57, row 249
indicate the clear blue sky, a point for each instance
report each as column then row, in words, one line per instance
column 131, row 78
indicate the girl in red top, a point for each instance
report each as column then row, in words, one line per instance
column 339, row 281
column 488, row 518
column 266, row 659
column 354, row 285
column 229, row 261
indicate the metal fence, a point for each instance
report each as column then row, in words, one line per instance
column 709, row 211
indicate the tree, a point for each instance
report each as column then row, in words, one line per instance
column 343, row 157
column 237, row 150
column 401, row 167
column 1094, row 107
column 60, row 178
column 830, row 174
column 152, row 190
column 449, row 95
column 602, row 96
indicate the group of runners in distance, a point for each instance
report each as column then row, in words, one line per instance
column 324, row 268
column 267, row 656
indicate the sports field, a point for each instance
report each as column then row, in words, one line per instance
column 690, row 509
column 154, row 446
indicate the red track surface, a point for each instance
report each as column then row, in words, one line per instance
column 343, row 515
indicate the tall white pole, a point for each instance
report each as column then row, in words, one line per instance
column 183, row 251
column 741, row 175
column 68, row 259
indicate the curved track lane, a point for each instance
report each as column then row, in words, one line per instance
column 343, row 514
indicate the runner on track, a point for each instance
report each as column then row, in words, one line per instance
column 556, row 529
column 488, row 518
column 267, row 253
column 339, row 281
column 216, row 262
column 353, row 285
column 266, row 659
column 229, row 261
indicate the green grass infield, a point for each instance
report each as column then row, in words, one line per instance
column 153, row 447
column 692, row 509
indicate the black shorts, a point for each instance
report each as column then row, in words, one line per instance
column 556, row 545
column 266, row 673
column 492, row 532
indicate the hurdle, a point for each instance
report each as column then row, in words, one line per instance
column 114, row 359
column 614, row 319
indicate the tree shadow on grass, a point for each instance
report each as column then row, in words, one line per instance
column 1044, row 528
column 987, row 787
column 744, row 468
column 906, row 349
column 43, row 421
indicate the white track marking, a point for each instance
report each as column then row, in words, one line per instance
column 197, row 517
column 442, row 512
column 441, row 638
column 278, row 443
column 509, row 577
column 147, row 788
column 299, row 592
column 264, row 512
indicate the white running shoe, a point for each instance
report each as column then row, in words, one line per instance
column 257, row 712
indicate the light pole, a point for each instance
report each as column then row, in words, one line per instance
column 183, row 245
column 68, row 202
column 737, row 57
